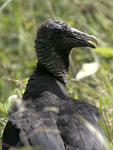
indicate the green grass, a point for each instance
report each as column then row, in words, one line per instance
column 19, row 21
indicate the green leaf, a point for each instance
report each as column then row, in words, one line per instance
column 2, row 108
column 5, row 109
column 87, row 69
column 105, row 100
column 76, row 96
column 10, row 101
column 100, row 105
column 105, row 51
column 107, row 81
column 18, row 92
column 3, row 121
column 103, row 127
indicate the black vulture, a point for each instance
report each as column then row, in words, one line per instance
column 49, row 119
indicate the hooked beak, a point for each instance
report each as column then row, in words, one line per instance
column 83, row 39
column 75, row 38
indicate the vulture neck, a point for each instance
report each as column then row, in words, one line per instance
column 43, row 83
column 54, row 63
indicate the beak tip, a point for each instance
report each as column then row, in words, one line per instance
column 94, row 39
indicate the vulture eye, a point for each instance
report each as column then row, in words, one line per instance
column 57, row 32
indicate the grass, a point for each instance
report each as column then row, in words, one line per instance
column 19, row 21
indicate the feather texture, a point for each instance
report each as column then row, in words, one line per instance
column 46, row 129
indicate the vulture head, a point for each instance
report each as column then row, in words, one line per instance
column 53, row 43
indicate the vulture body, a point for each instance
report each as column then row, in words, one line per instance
column 49, row 118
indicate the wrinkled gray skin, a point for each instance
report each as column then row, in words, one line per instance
column 37, row 125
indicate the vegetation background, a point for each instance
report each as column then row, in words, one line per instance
column 91, row 70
